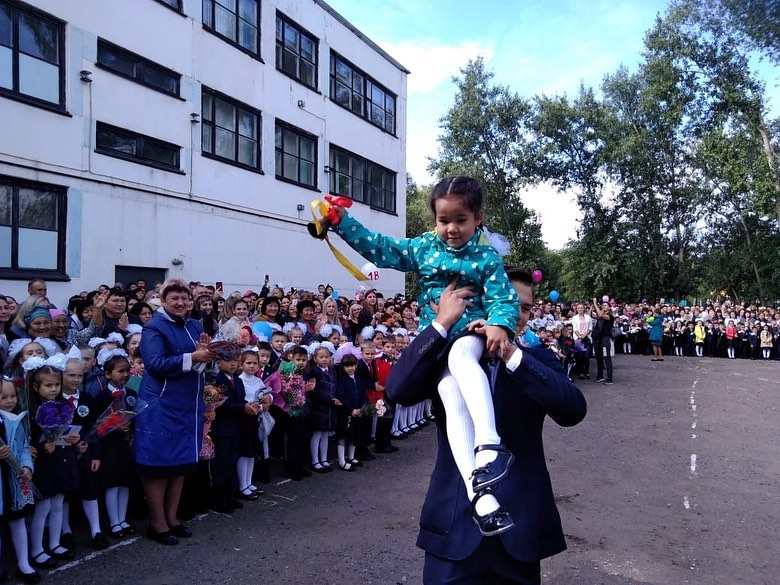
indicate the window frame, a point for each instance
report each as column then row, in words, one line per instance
column 279, row 44
column 14, row 93
column 301, row 134
column 180, row 3
column 211, row 29
column 365, row 93
column 142, row 140
column 143, row 62
column 368, row 166
column 15, row 272
column 238, row 105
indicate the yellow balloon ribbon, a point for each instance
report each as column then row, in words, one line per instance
column 322, row 228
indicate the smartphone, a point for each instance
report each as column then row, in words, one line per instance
column 219, row 285
column 266, row 278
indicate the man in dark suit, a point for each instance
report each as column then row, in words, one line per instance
column 529, row 385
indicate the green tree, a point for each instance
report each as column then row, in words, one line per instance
column 418, row 221
column 486, row 134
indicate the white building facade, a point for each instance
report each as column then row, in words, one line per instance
column 159, row 138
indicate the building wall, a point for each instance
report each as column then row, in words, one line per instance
column 223, row 222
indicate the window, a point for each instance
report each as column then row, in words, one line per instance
column 174, row 4
column 296, row 52
column 32, row 56
column 356, row 91
column 146, row 72
column 296, row 155
column 32, row 228
column 362, row 180
column 129, row 145
column 236, row 21
column 230, row 130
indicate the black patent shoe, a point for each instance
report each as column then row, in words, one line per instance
column 493, row 523
column 490, row 474
column 166, row 538
column 67, row 541
column 31, row 578
column 66, row 554
column 49, row 563
column 181, row 531
column 100, row 542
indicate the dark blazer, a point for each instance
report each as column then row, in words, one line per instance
column 320, row 400
column 227, row 422
column 523, row 398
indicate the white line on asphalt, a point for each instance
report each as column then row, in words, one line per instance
column 693, row 463
column 284, row 481
column 94, row 555
column 693, row 435
column 686, row 503
column 693, row 425
column 693, row 407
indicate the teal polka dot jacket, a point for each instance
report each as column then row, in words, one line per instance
column 476, row 263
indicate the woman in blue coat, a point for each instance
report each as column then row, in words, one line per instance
column 656, row 324
column 168, row 435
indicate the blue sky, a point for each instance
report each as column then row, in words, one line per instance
column 533, row 46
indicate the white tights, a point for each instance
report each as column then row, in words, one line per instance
column 470, row 422
column 50, row 508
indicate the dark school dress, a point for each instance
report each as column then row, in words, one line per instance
column 85, row 412
column 320, row 400
column 56, row 472
column 117, row 466
column 249, row 444
column 351, row 397
column 226, row 434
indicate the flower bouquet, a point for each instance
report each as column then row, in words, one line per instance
column 293, row 389
column 54, row 418
column 29, row 492
column 378, row 408
column 214, row 399
column 119, row 413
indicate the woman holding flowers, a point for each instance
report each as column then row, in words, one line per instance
column 169, row 435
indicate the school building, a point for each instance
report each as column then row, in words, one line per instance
column 159, row 138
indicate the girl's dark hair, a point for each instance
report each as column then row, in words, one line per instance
column 112, row 362
column 348, row 360
column 264, row 346
column 298, row 350
column 32, row 378
column 468, row 189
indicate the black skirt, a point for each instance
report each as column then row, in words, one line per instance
column 249, row 442
column 117, row 467
column 57, row 473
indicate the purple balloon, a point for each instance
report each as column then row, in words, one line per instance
column 605, row 298
column 537, row 275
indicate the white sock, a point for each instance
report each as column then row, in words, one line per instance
column 112, row 507
column 241, row 467
column 66, row 518
column 396, row 419
column 324, row 447
column 314, row 449
column 351, row 451
column 92, row 513
column 250, row 469
column 55, row 521
column 37, row 525
column 19, row 540
column 123, row 499
column 460, row 434
column 472, row 384
column 340, row 449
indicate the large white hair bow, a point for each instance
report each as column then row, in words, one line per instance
column 58, row 361
column 106, row 354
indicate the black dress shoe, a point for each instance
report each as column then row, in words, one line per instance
column 117, row 531
column 181, row 531
column 250, row 497
column 166, row 537
column 493, row 523
column 67, row 541
column 356, row 463
column 319, row 469
column 129, row 529
column 31, row 578
column 66, row 554
column 490, row 474
column 100, row 542
column 49, row 563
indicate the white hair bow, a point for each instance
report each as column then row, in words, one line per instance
column 329, row 346
column 326, row 330
column 401, row 331
column 74, row 353
column 95, row 341
column 115, row 338
column 106, row 354
column 134, row 328
column 367, row 332
column 57, row 361
column 382, row 329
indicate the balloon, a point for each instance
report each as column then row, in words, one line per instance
column 335, row 295
column 554, row 294
column 683, row 303
column 371, row 271
column 262, row 328
column 531, row 339
column 605, row 298
column 537, row 275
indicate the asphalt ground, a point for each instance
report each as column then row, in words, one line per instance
column 672, row 478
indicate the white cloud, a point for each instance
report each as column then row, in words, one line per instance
column 558, row 213
column 433, row 63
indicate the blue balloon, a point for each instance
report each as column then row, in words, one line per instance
column 554, row 294
column 531, row 339
column 262, row 328
column 335, row 295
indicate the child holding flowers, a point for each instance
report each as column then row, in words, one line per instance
column 351, row 401
column 250, row 447
column 56, row 466
column 16, row 495
column 321, row 400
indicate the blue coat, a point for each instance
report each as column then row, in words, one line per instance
column 476, row 263
column 16, row 437
column 170, row 431
column 523, row 399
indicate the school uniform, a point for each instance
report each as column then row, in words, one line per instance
column 117, row 466
column 55, row 473
column 226, row 434
column 320, row 400
column 249, row 441
column 351, row 397
column 86, row 411
column 95, row 382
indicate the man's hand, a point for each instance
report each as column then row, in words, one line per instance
column 452, row 304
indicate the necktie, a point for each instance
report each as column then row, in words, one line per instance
column 72, row 402
column 117, row 394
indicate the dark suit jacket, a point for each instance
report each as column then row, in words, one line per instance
column 227, row 422
column 523, row 398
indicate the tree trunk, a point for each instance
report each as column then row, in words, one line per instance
column 769, row 152
column 752, row 256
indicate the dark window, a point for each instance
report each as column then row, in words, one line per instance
column 296, row 155
column 138, row 148
column 175, row 4
column 137, row 68
column 230, row 130
column 32, row 228
column 236, row 21
column 296, row 52
column 31, row 55
column 356, row 91
column 362, row 180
